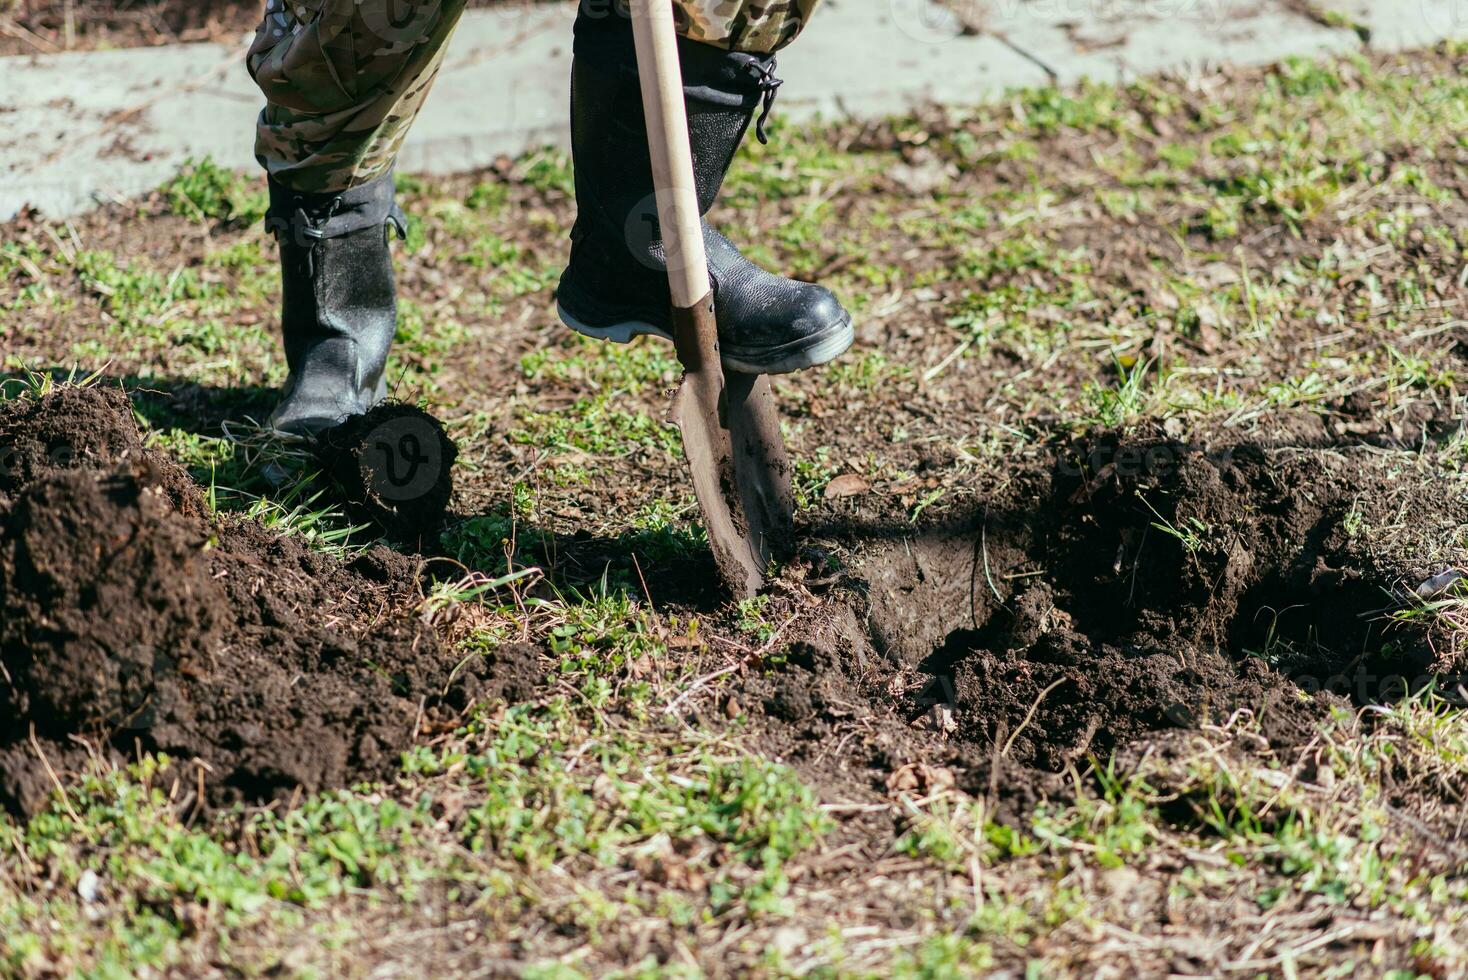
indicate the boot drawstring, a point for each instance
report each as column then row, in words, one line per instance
column 769, row 86
column 303, row 228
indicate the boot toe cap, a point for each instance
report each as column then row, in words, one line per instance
column 804, row 328
column 822, row 312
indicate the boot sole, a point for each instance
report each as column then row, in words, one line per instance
column 797, row 355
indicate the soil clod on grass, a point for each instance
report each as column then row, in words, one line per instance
column 131, row 620
column 393, row 467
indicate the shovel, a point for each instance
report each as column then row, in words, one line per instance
column 731, row 433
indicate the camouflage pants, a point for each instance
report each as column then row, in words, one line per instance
column 344, row 79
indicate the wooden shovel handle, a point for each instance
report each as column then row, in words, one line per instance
column 656, row 39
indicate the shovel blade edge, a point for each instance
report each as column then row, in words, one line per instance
column 711, row 463
column 762, row 470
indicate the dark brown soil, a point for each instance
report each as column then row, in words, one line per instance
column 78, row 427
column 129, row 621
column 392, row 467
column 1061, row 620
column 104, row 589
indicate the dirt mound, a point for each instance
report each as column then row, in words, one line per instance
column 101, row 585
column 1114, row 590
column 392, row 467
column 70, row 427
column 132, row 623
column 80, row 427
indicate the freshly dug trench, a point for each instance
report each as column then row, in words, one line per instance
column 1121, row 589
column 1153, row 585
column 129, row 622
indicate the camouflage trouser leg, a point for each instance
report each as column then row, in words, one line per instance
column 751, row 26
column 344, row 79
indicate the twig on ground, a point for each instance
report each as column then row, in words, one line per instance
column 56, row 781
column 751, row 657
column 21, row 33
column 942, row 365
column 984, row 547
column 645, row 590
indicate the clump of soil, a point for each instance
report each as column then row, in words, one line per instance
column 133, row 622
column 79, row 427
column 392, row 467
column 101, row 587
column 1112, row 592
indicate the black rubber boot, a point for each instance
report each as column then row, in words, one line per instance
column 616, row 286
column 339, row 301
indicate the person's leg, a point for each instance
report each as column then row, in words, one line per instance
column 343, row 80
column 615, row 286
column 748, row 26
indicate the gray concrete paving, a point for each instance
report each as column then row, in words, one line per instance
column 1115, row 40
column 1395, row 25
column 85, row 127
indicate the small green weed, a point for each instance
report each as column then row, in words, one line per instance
column 208, row 192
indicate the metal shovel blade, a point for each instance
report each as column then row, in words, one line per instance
column 731, row 436
column 762, row 470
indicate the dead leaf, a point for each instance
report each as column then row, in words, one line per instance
column 903, row 780
column 939, row 718
column 919, row 777
column 846, row 485
column 605, row 791
column 923, row 178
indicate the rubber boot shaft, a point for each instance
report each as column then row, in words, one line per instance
column 339, row 301
column 615, row 286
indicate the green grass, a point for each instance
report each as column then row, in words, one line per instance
column 204, row 190
column 117, row 828
column 596, row 426
column 739, row 820
column 245, row 474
